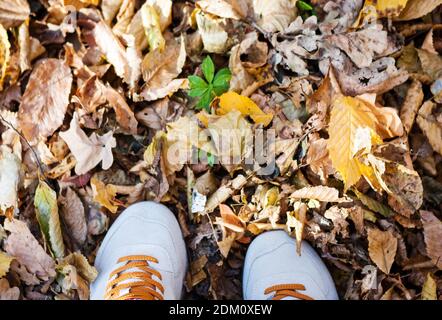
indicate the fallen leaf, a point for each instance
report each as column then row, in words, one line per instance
column 125, row 116
column 416, row 9
column 8, row 293
column 413, row 101
column 349, row 114
column 152, row 27
column 5, row 261
column 22, row 245
column 297, row 219
column 320, row 193
column 45, row 100
column 382, row 247
column 88, row 151
column 213, row 34
column 232, row 137
column 110, row 9
column 4, row 54
column 13, row 12
column 10, row 168
column 431, row 63
column 160, row 68
column 275, row 15
column 374, row 205
column 220, row 8
column 429, row 290
column 430, row 126
column 432, row 235
column 232, row 101
column 46, row 210
column 73, row 215
column 362, row 46
column 105, row 195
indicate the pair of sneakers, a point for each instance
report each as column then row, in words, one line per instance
column 143, row 256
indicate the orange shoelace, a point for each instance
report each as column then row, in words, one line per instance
column 143, row 287
column 287, row 290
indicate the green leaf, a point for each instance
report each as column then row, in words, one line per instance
column 197, row 82
column 45, row 202
column 210, row 159
column 221, row 83
column 197, row 92
column 208, row 69
column 205, row 101
column 302, row 5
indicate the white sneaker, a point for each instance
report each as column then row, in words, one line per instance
column 143, row 256
column 273, row 270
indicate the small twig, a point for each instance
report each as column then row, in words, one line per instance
column 40, row 166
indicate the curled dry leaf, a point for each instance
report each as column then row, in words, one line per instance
column 413, row 101
column 45, row 100
column 22, row 245
column 14, row 12
column 320, row 193
column 125, row 116
column 382, row 247
column 73, row 215
column 220, row 8
column 432, row 235
column 88, row 151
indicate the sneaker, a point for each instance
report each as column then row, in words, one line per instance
column 273, row 270
column 142, row 257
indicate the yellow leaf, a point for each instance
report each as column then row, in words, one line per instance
column 429, row 290
column 152, row 27
column 5, row 262
column 4, row 54
column 104, row 194
column 233, row 101
column 348, row 115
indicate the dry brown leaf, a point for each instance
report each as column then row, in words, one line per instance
column 431, row 63
column 110, row 9
column 416, row 9
column 13, row 12
column 297, row 219
column 73, row 215
column 22, row 245
column 124, row 114
column 413, row 101
column 362, row 46
column 432, row 233
column 45, row 100
column 320, row 193
column 8, row 293
column 160, row 68
column 430, row 126
column 382, row 247
column 213, row 34
column 88, row 151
